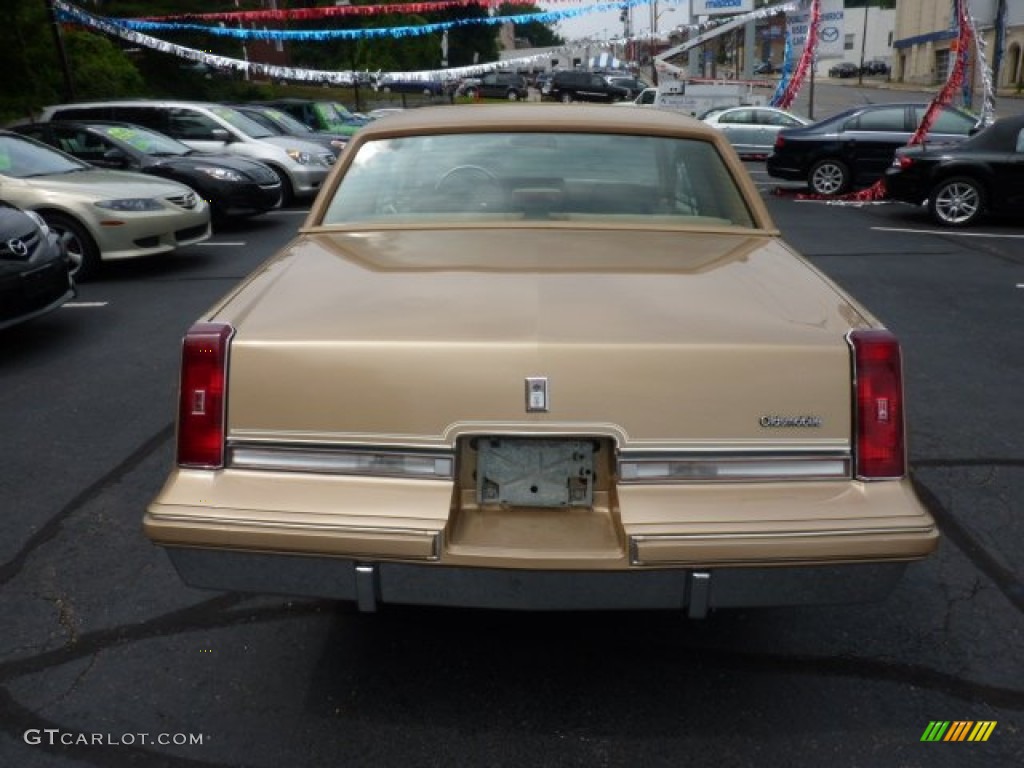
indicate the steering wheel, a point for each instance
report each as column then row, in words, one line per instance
column 472, row 184
column 451, row 176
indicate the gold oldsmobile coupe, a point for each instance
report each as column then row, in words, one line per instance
column 535, row 357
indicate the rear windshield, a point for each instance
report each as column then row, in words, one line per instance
column 538, row 176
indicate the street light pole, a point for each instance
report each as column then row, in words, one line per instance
column 58, row 41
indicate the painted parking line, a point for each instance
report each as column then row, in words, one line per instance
column 84, row 304
column 219, row 243
column 948, row 232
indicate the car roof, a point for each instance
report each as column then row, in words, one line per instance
column 589, row 118
column 88, row 122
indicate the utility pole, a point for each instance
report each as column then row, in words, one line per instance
column 58, row 40
column 863, row 45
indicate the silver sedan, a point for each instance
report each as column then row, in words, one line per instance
column 751, row 130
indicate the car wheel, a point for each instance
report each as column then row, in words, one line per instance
column 287, row 192
column 81, row 248
column 829, row 177
column 566, row 97
column 957, row 202
column 472, row 93
column 513, row 95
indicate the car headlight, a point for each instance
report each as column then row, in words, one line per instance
column 219, row 173
column 300, row 157
column 135, row 204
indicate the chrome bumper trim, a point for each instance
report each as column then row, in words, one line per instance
column 696, row 592
column 677, row 468
column 368, row 461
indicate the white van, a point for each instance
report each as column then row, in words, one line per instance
column 206, row 127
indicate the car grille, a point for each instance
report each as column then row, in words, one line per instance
column 21, row 248
column 188, row 200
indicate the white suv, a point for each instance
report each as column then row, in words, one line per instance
column 301, row 166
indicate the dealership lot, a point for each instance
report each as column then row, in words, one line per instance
column 103, row 640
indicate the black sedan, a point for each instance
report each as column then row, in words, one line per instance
column 233, row 186
column 844, row 70
column 963, row 182
column 35, row 275
column 855, row 147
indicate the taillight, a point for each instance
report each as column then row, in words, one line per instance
column 779, row 141
column 902, row 162
column 201, row 400
column 880, row 448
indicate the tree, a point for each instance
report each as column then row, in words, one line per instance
column 539, row 34
column 27, row 60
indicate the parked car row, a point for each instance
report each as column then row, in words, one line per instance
column 847, row 69
column 101, row 214
column 120, row 179
column 300, row 165
column 854, row 147
column 962, row 171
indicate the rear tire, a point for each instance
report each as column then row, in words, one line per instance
column 566, row 97
column 829, row 177
column 82, row 249
column 957, row 202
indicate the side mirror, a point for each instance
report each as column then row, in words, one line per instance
column 219, row 134
column 115, row 158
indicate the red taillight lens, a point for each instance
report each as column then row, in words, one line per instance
column 779, row 141
column 201, row 403
column 880, row 449
column 903, row 162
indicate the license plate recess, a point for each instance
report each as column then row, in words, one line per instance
column 535, row 473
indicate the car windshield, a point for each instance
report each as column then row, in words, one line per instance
column 492, row 177
column 23, row 158
column 334, row 115
column 246, row 125
column 287, row 122
column 148, row 142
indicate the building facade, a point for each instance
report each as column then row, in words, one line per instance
column 868, row 33
column 925, row 40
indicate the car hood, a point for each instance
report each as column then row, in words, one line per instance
column 106, row 185
column 291, row 142
column 656, row 333
column 234, row 162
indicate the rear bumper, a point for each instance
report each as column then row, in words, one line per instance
column 898, row 187
column 785, row 169
column 423, row 542
column 372, row 584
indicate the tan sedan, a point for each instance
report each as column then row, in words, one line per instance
column 541, row 358
column 104, row 215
